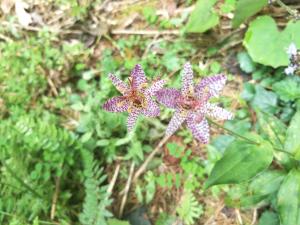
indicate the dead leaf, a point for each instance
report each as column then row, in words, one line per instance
column 24, row 17
column 6, row 5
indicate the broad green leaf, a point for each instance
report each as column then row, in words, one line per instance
column 274, row 130
column 262, row 187
column 246, row 63
column 271, row 127
column 267, row 45
column 265, row 100
column 292, row 142
column 288, row 89
column 288, row 199
column 241, row 161
column 245, row 9
column 268, row 218
column 203, row 17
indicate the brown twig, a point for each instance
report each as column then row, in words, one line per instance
column 238, row 216
column 149, row 158
column 254, row 218
column 114, row 179
column 127, row 187
column 52, row 86
column 145, row 32
column 55, row 197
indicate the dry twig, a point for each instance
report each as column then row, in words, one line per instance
column 114, row 179
column 55, row 197
column 145, row 32
column 127, row 187
column 149, row 158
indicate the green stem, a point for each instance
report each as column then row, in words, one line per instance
column 245, row 138
column 12, row 172
column 292, row 12
column 233, row 133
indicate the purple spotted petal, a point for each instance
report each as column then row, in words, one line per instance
column 217, row 112
column 132, row 118
column 168, row 97
column 119, row 84
column 213, row 85
column 200, row 130
column 116, row 104
column 156, row 86
column 178, row 118
column 152, row 109
column 187, row 79
column 138, row 77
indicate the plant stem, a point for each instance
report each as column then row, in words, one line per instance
column 292, row 12
column 232, row 132
column 12, row 172
column 245, row 138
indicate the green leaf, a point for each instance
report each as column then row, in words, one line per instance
column 117, row 222
column 245, row 9
column 264, row 100
column 273, row 128
column 262, row 187
column 268, row 218
column 267, row 45
column 288, row 199
column 246, row 63
column 288, row 89
column 241, row 161
column 292, row 143
column 203, row 17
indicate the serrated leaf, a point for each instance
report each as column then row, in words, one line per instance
column 245, row 9
column 288, row 89
column 267, row 45
column 203, row 17
column 288, row 199
column 241, row 161
column 292, row 143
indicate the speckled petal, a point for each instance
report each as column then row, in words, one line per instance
column 217, row 112
column 168, row 97
column 152, row 109
column 200, row 130
column 178, row 118
column 116, row 104
column 119, row 84
column 156, row 86
column 213, row 85
column 187, row 79
column 132, row 118
column 138, row 77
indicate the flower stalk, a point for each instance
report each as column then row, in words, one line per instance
column 245, row 138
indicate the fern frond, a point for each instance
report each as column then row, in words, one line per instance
column 96, row 198
column 189, row 208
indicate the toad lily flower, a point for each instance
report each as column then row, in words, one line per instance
column 136, row 97
column 192, row 103
column 294, row 56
